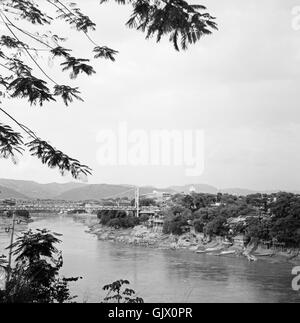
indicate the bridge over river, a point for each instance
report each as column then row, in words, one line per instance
column 39, row 206
column 94, row 208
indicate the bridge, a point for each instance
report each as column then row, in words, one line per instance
column 69, row 207
column 143, row 209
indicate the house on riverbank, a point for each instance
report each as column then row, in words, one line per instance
column 156, row 222
column 240, row 240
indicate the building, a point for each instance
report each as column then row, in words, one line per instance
column 192, row 189
column 158, row 196
column 240, row 240
column 156, row 222
column 216, row 204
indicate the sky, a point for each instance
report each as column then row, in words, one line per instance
column 239, row 86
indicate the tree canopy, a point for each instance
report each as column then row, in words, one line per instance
column 22, row 49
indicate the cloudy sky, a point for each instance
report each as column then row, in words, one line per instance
column 240, row 85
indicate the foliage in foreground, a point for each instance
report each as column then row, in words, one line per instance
column 35, row 277
column 117, row 292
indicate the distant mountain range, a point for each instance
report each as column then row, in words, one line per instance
column 7, row 193
column 77, row 191
column 36, row 190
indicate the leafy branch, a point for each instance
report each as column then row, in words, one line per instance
column 12, row 143
column 183, row 23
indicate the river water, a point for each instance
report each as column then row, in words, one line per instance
column 162, row 275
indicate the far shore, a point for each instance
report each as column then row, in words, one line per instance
column 148, row 238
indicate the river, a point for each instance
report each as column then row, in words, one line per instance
column 162, row 275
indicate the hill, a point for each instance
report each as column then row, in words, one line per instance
column 97, row 192
column 34, row 190
column 7, row 193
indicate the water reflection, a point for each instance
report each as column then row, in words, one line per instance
column 163, row 275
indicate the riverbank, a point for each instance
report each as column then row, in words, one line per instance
column 145, row 237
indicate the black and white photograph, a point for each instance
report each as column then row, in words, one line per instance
column 149, row 154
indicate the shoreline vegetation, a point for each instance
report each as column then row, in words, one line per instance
column 141, row 236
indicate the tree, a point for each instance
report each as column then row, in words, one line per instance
column 117, row 219
column 176, row 218
column 286, row 230
column 258, row 228
column 117, row 293
column 205, row 214
column 202, row 217
column 285, row 220
column 283, row 204
column 35, row 277
column 216, row 227
column 184, row 24
column 203, row 200
column 175, row 225
column 187, row 202
column 194, row 201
